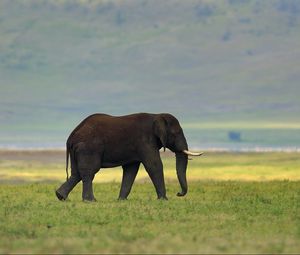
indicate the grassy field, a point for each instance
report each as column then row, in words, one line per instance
column 237, row 203
column 49, row 166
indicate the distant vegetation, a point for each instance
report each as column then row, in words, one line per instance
column 200, row 60
column 234, row 136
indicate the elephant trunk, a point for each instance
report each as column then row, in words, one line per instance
column 181, row 166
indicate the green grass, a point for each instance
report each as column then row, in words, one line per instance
column 237, row 203
column 215, row 217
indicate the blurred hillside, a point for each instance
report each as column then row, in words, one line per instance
column 202, row 61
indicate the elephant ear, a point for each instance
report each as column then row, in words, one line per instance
column 160, row 130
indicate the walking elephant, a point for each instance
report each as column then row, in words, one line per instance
column 102, row 141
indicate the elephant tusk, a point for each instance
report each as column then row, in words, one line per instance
column 192, row 153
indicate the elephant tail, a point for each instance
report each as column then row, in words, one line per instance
column 67, row 161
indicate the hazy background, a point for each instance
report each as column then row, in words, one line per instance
column 229, row 70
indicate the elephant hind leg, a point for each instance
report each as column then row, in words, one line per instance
column 63, row 191
column 88, row 164
column 59, row 195
column 87, row 188
column 129, row 174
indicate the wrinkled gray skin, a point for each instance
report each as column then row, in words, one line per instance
column 102, row 141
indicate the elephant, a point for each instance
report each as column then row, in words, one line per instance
column 105, row 141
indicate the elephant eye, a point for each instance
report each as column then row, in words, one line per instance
column 172, row 133
column 175, row 131
column 172, row 136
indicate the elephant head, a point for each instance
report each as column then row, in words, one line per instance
column 170, row 135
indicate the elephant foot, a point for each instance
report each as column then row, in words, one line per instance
column 60, row 196
column 89, row 200
column 163, row 198
column 181, row 194
column 122, row 198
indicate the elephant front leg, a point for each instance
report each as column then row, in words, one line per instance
column 129, row 174
column 154, row 168
column 87, row 188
